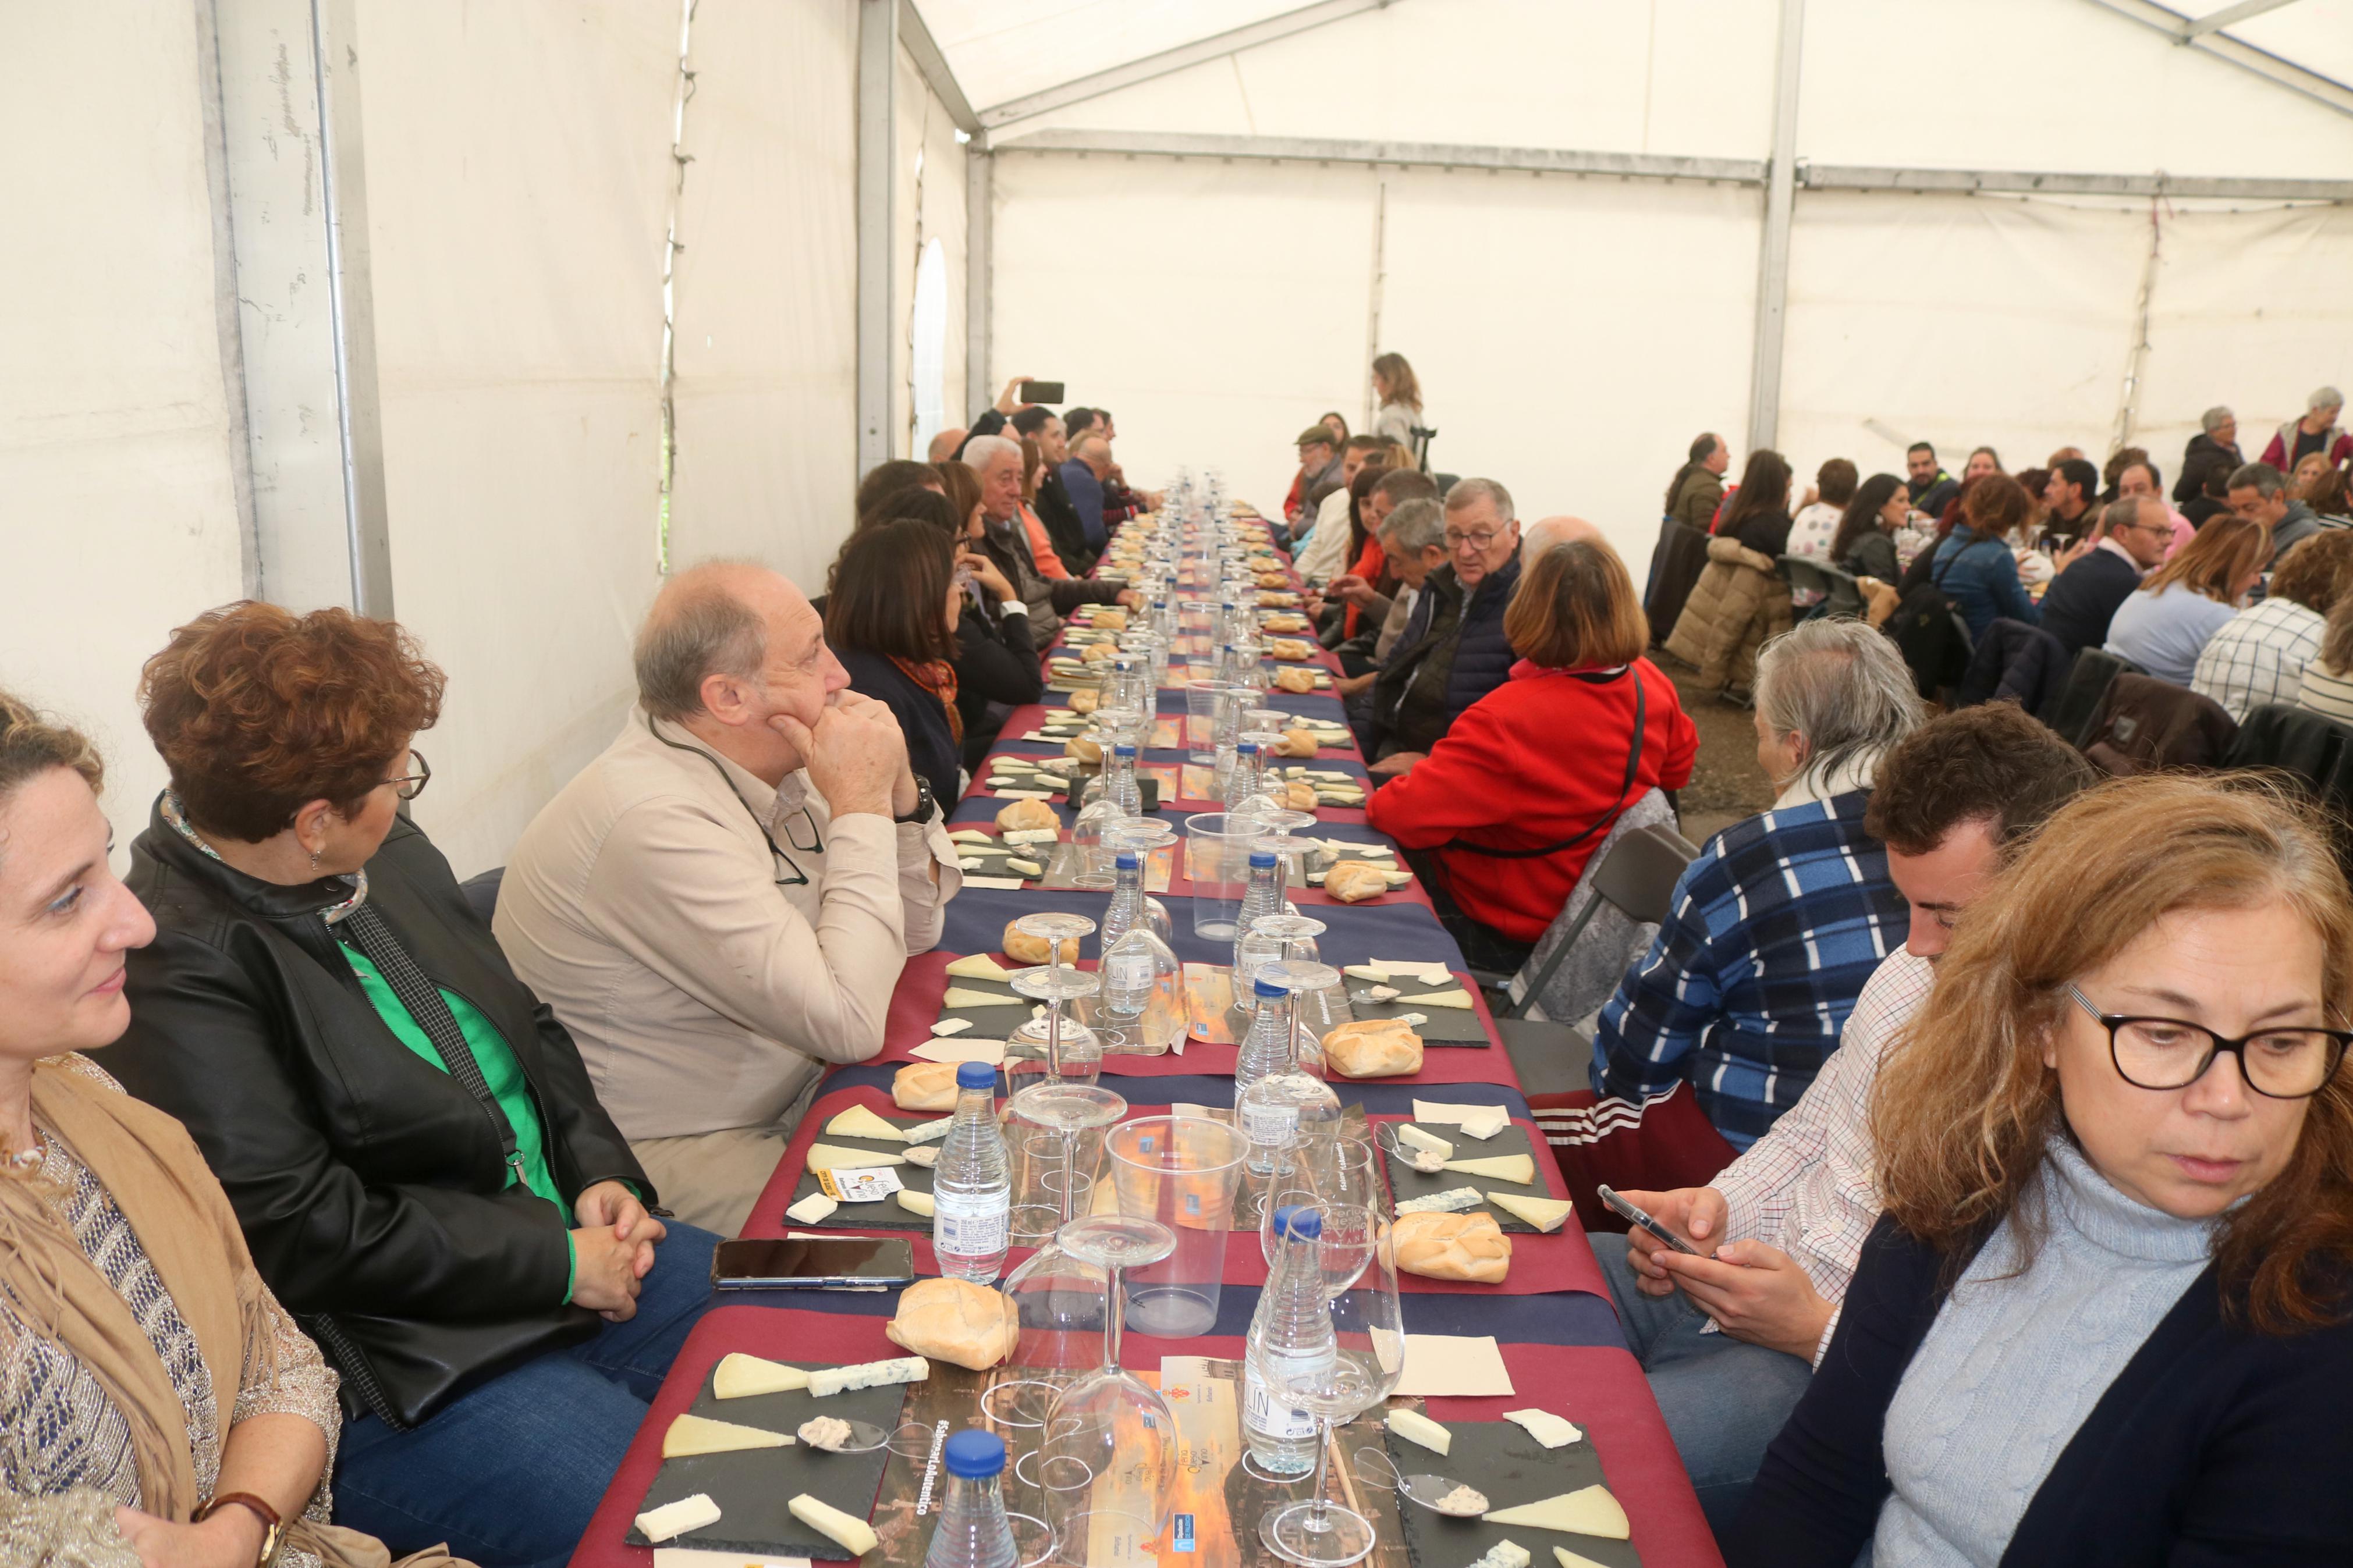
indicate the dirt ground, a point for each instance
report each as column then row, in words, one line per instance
column 1726, row 783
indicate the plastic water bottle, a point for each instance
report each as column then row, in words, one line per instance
column 1121, row 786
column 1126, row 910
column 1267, row 1048
column 1283, row 1111
column 1142, row 981
column 973, row 1531
column 1291, row 1340
column 972, row 1185
column 1241, row 779
column 1262, row 896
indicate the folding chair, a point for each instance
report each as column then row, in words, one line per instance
column 1838, row 593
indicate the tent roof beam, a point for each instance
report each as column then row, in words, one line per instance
column 2215, row 21
column 934, row 66
column 2284, row 73
column 1216, row 46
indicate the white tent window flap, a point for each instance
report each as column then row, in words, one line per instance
column 929, row 331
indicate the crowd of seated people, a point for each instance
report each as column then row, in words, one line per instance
column 336, row 1213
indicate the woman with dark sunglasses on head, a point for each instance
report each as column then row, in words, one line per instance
column 2104, row 1319
column 411, row 1144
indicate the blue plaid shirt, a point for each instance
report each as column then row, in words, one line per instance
column 1773, row 931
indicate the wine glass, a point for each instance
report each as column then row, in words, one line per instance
column 1271, row 940
column 1109, row 1465
column 1062, row 1066
column 1368, row 1329
column 1057, row 1295
column 1341, row 1177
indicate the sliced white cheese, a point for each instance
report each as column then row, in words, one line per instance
column 1413, row 1137
column 1490, row 1121
column 1414, row 1427
column 740, row 1376
column 951, row 1027
column 1547, row 1215
column 1052, row 782
column 928, row 1157
column 834, row 1157
column 929, row 1132
column 674, row 1518
column 1025, row 868
column 916, row 1203
column 869, row 1374
column 811, row 1209
column 860, row 1122
column 1458, row 997
column 1519, row 1168
column 970, row 836
column 971, row 865
column 1552, row 1431
column 1454, row 1200
column 1588, row 1511
column 690, row 1435
column 1019, row 795
column 1033, row 835
column 852, row 1534
column 1504, row 1554
column 1372, row 972
column 978, row 965
column 1567, row 1558
column 1432, row 970
column 959, row 997
column 1481, row 1121
column 1399, row 880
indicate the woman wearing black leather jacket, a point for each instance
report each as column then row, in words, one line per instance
column 413, row 1148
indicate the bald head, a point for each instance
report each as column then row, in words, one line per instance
column 944, row 444
column 1094, row 452
column 1544, row 532
column 710, row 620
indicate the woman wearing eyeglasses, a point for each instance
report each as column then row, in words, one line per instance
column 2104, row 1320
column 412, row 1147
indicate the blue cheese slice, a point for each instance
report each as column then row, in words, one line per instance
column 1504, row 1554
column 929, row 1132
column 869, row 1375
column 1454, row 1200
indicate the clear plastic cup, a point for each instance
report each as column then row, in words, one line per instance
column 1183, row 1172
column 1217, row 859
column 1208, row 706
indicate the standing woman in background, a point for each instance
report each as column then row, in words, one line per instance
column 1400, row 395
column 892, row 603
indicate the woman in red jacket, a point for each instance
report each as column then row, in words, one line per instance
column 1503, row 814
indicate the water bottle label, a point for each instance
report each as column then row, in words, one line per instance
column 971, row 1224
column 1274, row 1420
column 1128, row 971
column 1270, row 1124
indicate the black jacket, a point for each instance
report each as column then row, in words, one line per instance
column 2202, row 453
column 2015, row 663
column 370, row 1184
column 2214, row 1445
column 1007, row 546
column 1451, row 653
column 2083, row 600
column 997, row 672
column 1064, row 530
column 932, row 750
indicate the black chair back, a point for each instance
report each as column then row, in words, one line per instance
column 2079, row 700
column 1637, row 878
column 1836, row 593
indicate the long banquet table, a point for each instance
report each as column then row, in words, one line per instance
column 1552, row 1318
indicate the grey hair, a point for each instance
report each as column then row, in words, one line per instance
column 1089, row 442
column 1415, row 526
column 704, row 630
column 2260, row 478
column 1467, row 491
column 2214, row 418
column 1839, row 685
column 2324, row 397
column 2125, row 510
column 981, row 448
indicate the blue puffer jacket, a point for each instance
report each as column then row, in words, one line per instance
column 1483, row 656
column 1982, row 582
column 1452, row 653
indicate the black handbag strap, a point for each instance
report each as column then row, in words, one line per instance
column 1609, row 815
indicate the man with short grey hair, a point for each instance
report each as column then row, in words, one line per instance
column 2216, row 445
column 2259, row 492
column 722, row 902
column 997, row 462
column 1453, row 651
column 2133, row 535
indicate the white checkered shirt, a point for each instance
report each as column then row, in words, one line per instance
column 2259, row 657
column 1806, row 1187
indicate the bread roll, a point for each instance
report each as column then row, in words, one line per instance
column 1291, row 649
column 1085, row 702
column 1027, row 814
column 1373, row 1047
column 1294, row 679
column 1299, row 796
column 1351, row 881
column 1100, row 653
column 1270, row 600
column 1284, row 621
column 957, row 1322
column 1468, row 1247
column 924, row 1086
column 1296, row 743
column 1085, row 748
column 1023, row 948
column 1110, row 617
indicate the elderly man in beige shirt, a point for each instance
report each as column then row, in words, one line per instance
column 722, row 902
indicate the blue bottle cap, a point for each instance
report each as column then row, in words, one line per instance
column 1262, row 857
column 1123, row 750
column 1127, row 860
column 1302, row 1224
column 975, row 1074
column 1250, row 746
column 974, row 1454
column 1266, row 987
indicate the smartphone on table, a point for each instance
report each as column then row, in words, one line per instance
column 1634, row 1215
column 812, row 1263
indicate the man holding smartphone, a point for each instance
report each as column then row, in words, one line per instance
column 1729, row 1335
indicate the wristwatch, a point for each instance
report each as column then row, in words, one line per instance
column 926, row 806
column 271, row 1526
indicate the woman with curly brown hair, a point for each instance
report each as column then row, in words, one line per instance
column 2104, row 1319
column 411, row 1144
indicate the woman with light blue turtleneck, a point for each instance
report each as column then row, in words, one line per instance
column 2104, row 1319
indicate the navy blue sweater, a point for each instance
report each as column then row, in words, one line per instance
column 1451, row 653
column 2083, row 600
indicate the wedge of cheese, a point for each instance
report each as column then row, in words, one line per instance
column 959, row 997
column 1412, row 1137
column 929, row 1132
column 946, row 1027
column 740, row 1376
column 979, row 965
column 858, row 1122
column 1552, row 1431
column 1372, row 972
column 834, row 1157
column 1414, row 1427
column 928, row 1157
column 692, row 1434
column 1432, row 970
column 914, row 1202
column 1458, row 997
column 852, row 1534
column 1567, row 1558
column 869, row 1375
column 1519, row 1168
column 1547, row 1215
column 970, row 836
column 811, row 1209
column 674, row 1518
column 1493, row 1119
column 1590, row 1511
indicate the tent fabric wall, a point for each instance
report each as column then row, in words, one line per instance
column 927, row 204
column 117, row 470
column 518, row 164
column 767, row 288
